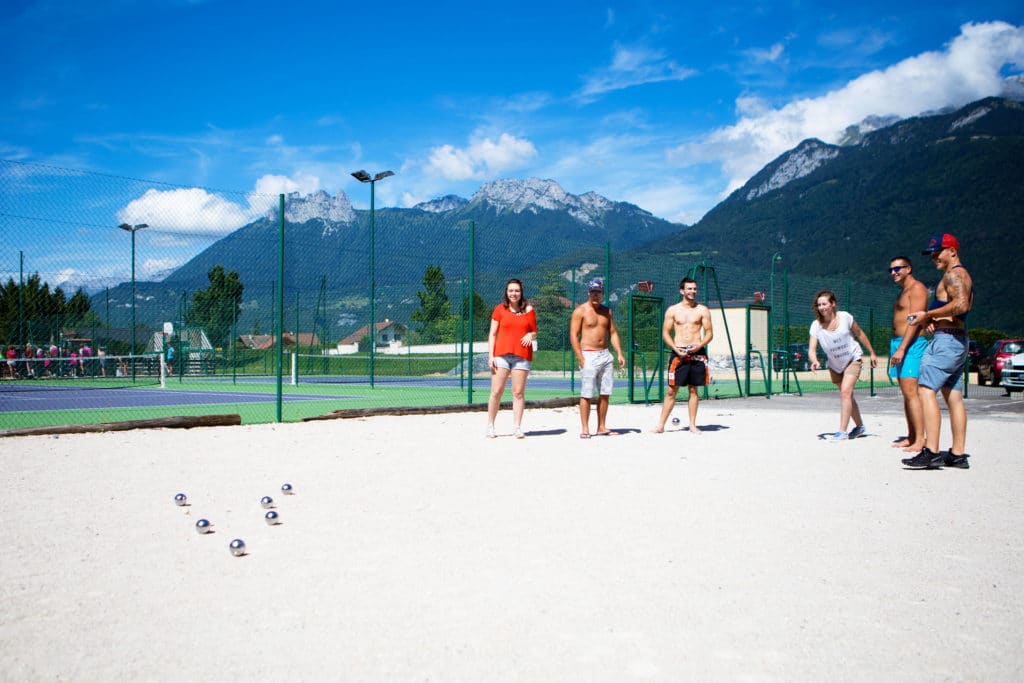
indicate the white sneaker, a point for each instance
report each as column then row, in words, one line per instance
column 519, row 433
column 490, row 432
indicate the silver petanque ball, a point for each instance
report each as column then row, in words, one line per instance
column 237, row 547
column 675, row 420
column 180, row 499
column 267, row 502
column 272, row 518
column 286, row 489
column 203, row 526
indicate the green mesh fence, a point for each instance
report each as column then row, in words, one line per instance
column 270, row 342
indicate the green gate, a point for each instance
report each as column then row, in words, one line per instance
column 645, row 367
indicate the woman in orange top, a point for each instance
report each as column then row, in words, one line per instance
column 509, row 352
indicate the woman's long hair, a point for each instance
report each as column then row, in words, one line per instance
column 814, row 304
column 522, row 295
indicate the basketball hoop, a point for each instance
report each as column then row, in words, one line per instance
column 646, row 286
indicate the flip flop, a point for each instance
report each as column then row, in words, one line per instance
column 584, row 436
column 608, row 433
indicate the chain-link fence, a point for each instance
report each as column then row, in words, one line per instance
column 123, row 297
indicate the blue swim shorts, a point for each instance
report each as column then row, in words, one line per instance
column 911, row 365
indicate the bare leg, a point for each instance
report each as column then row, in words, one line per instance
column 518, row 395
column 847, row 405
column 666, row 409
column 691, row 404
column 584, row 415
column 957, row 420
column 932, row 418
column 602, row 413
column 498, row 378
column 915, row 418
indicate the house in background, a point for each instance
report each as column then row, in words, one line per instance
column 305, row 339
column 388, row 335
column 257, row 342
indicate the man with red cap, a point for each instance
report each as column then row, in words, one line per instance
column 942, row 367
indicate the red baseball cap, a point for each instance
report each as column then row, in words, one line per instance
column 940, row 242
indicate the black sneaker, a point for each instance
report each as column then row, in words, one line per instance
column 925, row 460
column 958, row 461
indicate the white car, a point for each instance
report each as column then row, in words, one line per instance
column 1013, row 373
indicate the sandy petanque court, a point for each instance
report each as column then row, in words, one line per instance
column 414, row 549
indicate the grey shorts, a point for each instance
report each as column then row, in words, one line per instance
column 942, row 366
column 511, row 361
column 598, row 373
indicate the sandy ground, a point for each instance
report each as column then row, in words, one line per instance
column 415, row 549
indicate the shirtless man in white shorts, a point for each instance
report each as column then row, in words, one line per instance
column 590, row 330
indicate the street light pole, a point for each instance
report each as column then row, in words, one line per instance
column 133, row 229
column 364, row 177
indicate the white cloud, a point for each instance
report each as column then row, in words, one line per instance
column 192, row 211
column 631, row 67
column 482, row 159
column 152, row 268
column 303, row 183
column 772, row 54
column 968, row 69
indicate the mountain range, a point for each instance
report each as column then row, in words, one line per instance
column 837, row 211
column 844, row 211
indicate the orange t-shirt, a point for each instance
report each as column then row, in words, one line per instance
column 511, row 328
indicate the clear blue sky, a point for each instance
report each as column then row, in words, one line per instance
column 668, row 105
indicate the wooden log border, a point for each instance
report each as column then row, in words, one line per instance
column 177, row 422
column 350, row 413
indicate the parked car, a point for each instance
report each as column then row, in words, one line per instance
column 990, row 365
column 799, row 358
column 973, row 355
column 1013, row 373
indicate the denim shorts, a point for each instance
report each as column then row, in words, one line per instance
column 511, row 361
column 942, row 366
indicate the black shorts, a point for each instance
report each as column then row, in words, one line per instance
column 687, row 371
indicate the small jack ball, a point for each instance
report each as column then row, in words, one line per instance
column 272, row 518
column 237, row 547
column 180, row 499
column 675, row 420
column 267, row 502
column 286, row 489
column 203, row 526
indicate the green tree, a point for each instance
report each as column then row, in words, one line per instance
column 40, row 312
column 434, row 314
column 217, row 306
column 553, row 312
column 481, row 317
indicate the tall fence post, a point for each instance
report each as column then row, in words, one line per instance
column 472, row 290
column 280, row 307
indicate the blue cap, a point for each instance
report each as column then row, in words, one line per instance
column 597, row 284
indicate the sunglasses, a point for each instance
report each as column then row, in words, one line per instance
column 896, row 269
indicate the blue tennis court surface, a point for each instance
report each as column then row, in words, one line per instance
column 70, row 398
